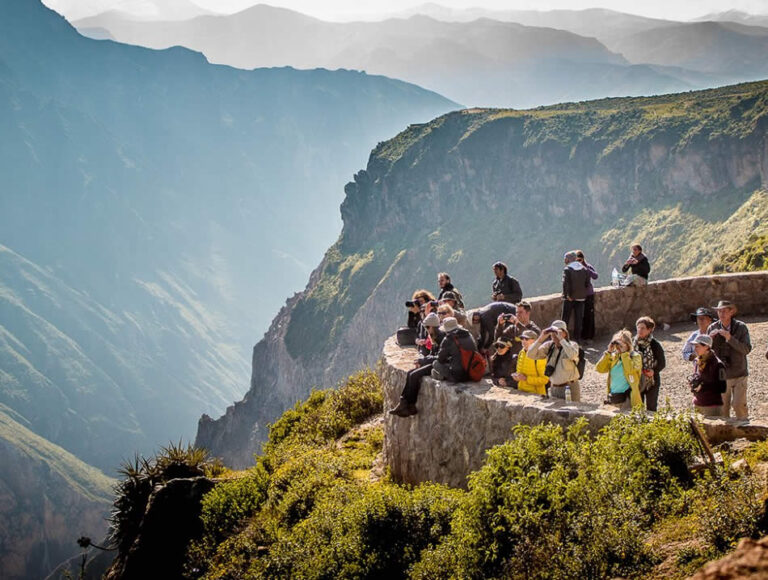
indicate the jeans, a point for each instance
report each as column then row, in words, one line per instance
column 577, row 308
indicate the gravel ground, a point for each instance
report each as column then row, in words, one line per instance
column 674, row 388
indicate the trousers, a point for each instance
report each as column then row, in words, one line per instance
column 736, row 396
column 575, row 307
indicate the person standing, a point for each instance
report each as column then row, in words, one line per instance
column 588, row 324
column 623, row 366
column 731, row 343
column 505, row 287
column 639, row 265
column 704, row 317
column 575, row 282
column 654, row 361
column 561, row 355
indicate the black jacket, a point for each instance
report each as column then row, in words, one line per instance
column 503, row 365
column 575, row 283
column 659, row 357
column 712, row 385
column 489, row 318
column 509, row 287
column 734, row 352
column 429, row 356
column 450, row 354
column 642, row 268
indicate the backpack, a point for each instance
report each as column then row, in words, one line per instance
column 581, row 363
column 472, row 362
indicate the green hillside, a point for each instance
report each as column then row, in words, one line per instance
column 681, row 174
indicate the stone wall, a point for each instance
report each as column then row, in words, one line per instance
column 666, row 301
column 466, row 419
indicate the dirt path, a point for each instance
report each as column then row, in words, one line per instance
column 673, row 384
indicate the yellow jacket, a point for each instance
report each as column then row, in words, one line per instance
column 536, row 381
column 632, row 365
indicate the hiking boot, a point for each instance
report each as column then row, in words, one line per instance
column 403, row 409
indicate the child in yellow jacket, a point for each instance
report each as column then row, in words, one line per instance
column 530, row 375
column 623, row 366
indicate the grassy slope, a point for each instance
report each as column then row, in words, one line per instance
column 81, row 477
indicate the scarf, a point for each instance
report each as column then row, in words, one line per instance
column 701, row 361
column 643, row 346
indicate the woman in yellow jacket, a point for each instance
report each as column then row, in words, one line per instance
column 623, row 366
column 530, row 375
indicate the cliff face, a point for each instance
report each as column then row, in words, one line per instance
column 682, row 174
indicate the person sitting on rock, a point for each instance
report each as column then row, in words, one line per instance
column 445, row 310
column 415, row 306
column 503, row 364
column 485, row 320
column 449, row 365
column 708, row 382
column 704, row 317
column 530, row 373
column 452, row 300
column 444, row 281
column 623, row 365
column 654, row 361
column 511, row 326
column 731, row 343
column 561, row 355
column 505, row 287
column 407, row 405
column 639, row 266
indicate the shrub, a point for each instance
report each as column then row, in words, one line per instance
column 376, row 531
column 554, row 503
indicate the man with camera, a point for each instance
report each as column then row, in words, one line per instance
column 731, row 343
column 510, row 327
column 562, row 356
column 576, row 281
column 505, row 287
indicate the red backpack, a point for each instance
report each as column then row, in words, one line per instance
column 472, row 362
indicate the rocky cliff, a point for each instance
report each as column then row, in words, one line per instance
column 682, row 174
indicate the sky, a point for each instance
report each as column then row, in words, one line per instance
column 345, row 9
column 372, row 9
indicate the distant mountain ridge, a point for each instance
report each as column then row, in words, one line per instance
column 154, row 210
column 482, row 62
column 683, row 174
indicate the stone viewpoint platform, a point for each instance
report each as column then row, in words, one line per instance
column 458, row 422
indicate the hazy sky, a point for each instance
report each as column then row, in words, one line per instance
column 344, row 9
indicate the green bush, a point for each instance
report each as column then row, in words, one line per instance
column 559, row 504
column 728, row 510
column 377, row 531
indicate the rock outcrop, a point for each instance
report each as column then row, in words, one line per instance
column 748, row 562
column 679, row 173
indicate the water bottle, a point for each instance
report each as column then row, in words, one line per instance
column 567, row 393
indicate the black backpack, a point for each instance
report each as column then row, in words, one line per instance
column 581, row 363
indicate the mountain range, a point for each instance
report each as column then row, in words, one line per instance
column 479, row 57
column 684, row 175
column 154, row 211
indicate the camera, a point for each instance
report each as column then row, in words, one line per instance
column 506, row 316
column 411, row 303
column 695, row 381
column 549, row 370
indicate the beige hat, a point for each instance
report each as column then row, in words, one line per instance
column 724, row 304
column 449, row 324
column 559, row 324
